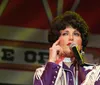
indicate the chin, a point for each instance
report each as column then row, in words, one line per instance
column 68, row 52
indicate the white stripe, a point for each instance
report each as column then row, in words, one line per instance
column 75, row 5
column 36, row 35
column 3, row 6
column 23, row 34
column 47, row 10
column 60, row 7
column 16, row 77
column 94, row 40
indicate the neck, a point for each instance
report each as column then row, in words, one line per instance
column 68, row 61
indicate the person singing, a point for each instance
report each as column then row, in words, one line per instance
column 62, row 67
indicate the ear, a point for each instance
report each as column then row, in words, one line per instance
column 82, row 52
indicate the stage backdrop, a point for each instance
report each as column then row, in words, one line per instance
column 24, row 28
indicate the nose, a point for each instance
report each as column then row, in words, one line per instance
column 71, row 38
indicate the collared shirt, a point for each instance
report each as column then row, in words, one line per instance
column 70, row 72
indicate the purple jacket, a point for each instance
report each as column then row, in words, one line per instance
column 54, row 74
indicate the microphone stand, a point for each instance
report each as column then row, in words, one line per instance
column 76, row 73
column 77, row 66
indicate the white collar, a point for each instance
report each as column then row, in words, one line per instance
column 67, row 60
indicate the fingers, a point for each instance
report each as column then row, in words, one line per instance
column 56, row 46
column 55, row 51
column 57, row 42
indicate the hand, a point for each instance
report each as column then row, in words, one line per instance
column 55, row 52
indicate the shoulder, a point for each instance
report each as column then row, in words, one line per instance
column 88, row 66
column 39, row 71
column 93, row 76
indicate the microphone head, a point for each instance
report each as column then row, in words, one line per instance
column 73, row 45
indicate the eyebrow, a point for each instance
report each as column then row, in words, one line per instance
column 76, row 31
column 68, row 31
column 63, row 31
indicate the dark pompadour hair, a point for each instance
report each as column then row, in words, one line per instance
column 72, row 19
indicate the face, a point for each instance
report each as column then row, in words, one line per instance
column 69, row 35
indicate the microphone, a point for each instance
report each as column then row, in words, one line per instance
column 78, row 56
